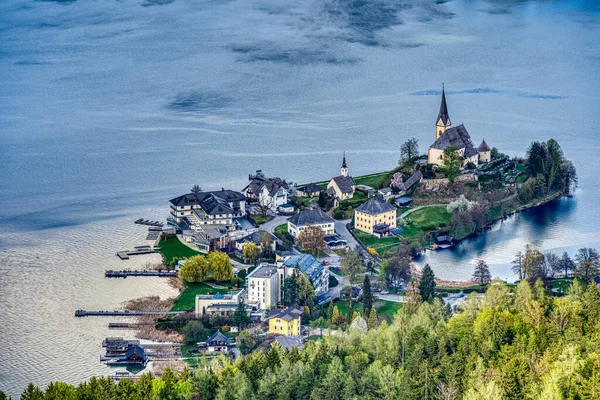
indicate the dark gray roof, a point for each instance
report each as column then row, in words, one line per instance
column 214, row 205
column 196, row 198
column 414, row 179
column 374, row 206
column 289, row 342
column 218, row 337
column 256, row 237
column 458, row 137
column 288, row 314
column 345, row 183
column 310, row 188
column 310, row 217
column 137, row 350
column 484, row 146
column 272, row 184
column 443, row 114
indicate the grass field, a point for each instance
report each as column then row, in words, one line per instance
column 429, row 219
column 187, row 298
column 383, row 307
column 172, row 248
column 381, row 245
column 376, row 181
column 261, row 219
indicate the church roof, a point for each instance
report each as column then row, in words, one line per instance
column 458, row 137
column 345, row 183
column 484, row 146
column 443, row 114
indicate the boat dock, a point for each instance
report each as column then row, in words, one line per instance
column 137, row 272
column 85, row 313
column 127, row 325
column 142, row 221
column 125, row 254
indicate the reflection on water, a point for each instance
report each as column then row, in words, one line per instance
column 108, row 109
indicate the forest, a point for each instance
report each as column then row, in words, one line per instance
column 518, row 343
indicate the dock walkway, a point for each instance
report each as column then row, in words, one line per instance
column 85, row 313
column 138, row 272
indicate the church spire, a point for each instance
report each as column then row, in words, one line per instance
column 443, row 119
column 443, row 115
column 344, row 166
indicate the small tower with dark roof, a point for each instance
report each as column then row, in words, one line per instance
column 344, row 166
column 443, row 119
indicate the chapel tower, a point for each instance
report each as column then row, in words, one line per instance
column 443, row 120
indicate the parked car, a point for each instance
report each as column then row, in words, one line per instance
column 385, row 292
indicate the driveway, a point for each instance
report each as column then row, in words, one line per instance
column 276, row 221
column 390, row 297
column 340, row 227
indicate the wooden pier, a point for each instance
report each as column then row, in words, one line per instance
column 125, row 254
column 142, row 221
column 127, row 325
column 85, row 313
column 137, row 272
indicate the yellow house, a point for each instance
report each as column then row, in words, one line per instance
column 375, row 217
column 285, row 322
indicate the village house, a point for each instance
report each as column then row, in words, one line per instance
column 218, row 343
column 310, row 190
column 313, row 216
column 375, row 217
column 257, row 238
column 219, row 304
column 341, row 187
column 285, row 322
column 218, row 207
column 458, row 137
column 267, row 192
column 289, row 342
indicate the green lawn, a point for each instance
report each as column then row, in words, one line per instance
column 187, row 298
column 428, row 219
column 381, row 245
column 172, row 248
column 355, row 201
column 376, row 181
column 261, row 219
column 383, row 307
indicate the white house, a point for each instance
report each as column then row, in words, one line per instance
column 316, row 217
column 268, row 192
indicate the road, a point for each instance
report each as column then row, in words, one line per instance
column 340, row 227
column 276, row 221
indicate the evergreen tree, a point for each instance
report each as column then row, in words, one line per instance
column 330, row 310
column 367, row 296
column 241, row 319
column 482, row 273
column 373, row 321
column 322, row 199
column 290, row 289
column 32, row 393
column 427, row 284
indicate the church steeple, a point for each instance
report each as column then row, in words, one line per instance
column 443, row 119
column 344, row 166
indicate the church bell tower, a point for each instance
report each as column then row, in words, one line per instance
column 344, row 166
column 443, row 120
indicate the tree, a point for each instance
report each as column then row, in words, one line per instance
column 566, row 264
column 196, row 189
column 534, row 265
column 312, row 239
column 413, row 297
column 319, row 323
column 245, row 342
column 221, row 267
column 588, row 264
column 250, row 251
column 337, row 318
column 264, row 204
column 517, row 266
column 553, row 264
column 397, row 184
column 451, row 163
column 322, row 199
column 195, row 269
column 241, row 319
column 427, row 284
column 32, row 393
column 373, row 321
column 194, row 331
column 266, row 243
column 352, row 265
column 409, row 150
column 482, row 273
column 290, row 289
column 395, row 268
column 367, row 298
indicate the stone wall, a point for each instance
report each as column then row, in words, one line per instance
column 436, row 184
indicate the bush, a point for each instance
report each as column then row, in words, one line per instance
column 471, row 165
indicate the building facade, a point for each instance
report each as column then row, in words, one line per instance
column 309, row 266
column 220, row 304
column 268, row 192
column 263, row 286
column 341, row 187
column 375, row 217
column 285, row 322
column 315, row 217
column 218, row 207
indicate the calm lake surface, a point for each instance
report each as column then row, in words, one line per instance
column 110, row 108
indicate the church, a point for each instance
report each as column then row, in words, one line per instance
column 447, row 135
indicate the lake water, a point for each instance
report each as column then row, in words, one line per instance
column 110, row 108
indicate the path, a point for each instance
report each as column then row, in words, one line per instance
column 270, row 226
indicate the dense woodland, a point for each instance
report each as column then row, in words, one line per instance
column 519, row 345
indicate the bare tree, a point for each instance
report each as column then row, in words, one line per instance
column 518, row 266
column 447, row 391
column 312, row 239
column 409, row 150
column 265, row 203
column 482, row 273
